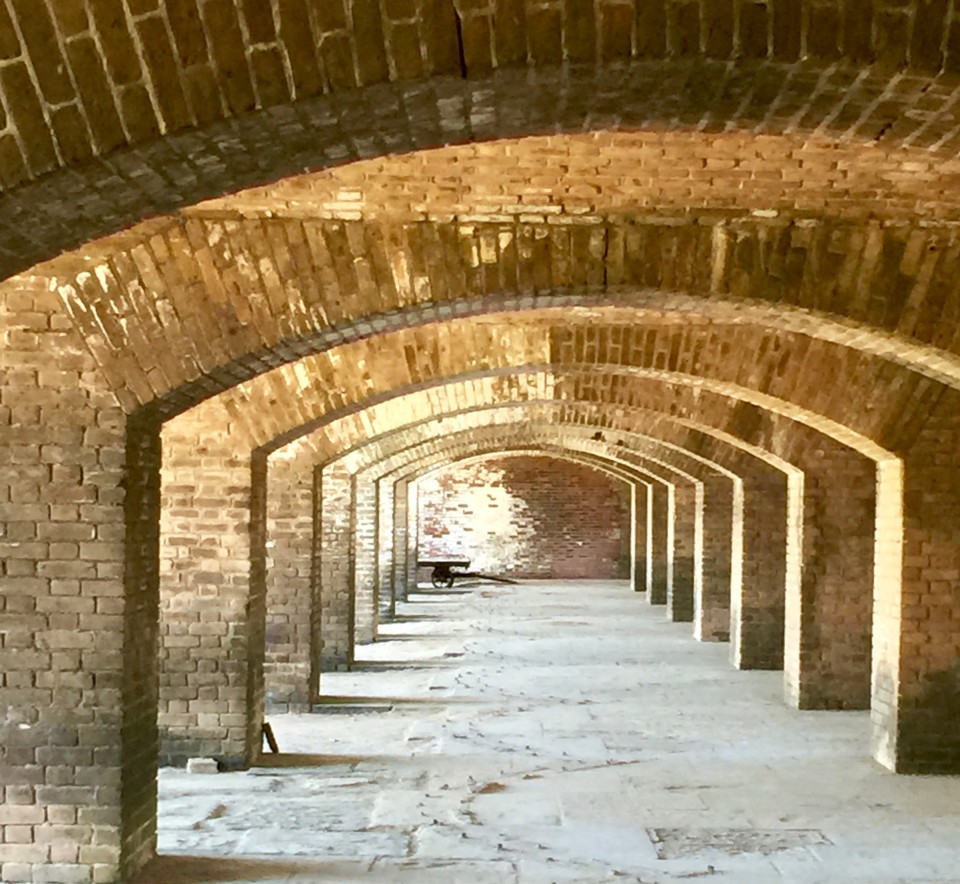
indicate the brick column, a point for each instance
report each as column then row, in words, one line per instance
column 661, row 543
column 333, row 571
column 916, row 636
column 400, row 582
column 412, row 544
column 757, row 609
column 140, row 696
column 828, row 613
column 687, row 561
column 364, row 521
column 712, row 605
column 289, row 537
column 385, row 549
column 205, row 594
column 79, row 615
column 640, row 570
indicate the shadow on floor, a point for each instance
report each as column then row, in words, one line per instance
column 221, row 870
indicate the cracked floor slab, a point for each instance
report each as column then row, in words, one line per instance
column 572, row 735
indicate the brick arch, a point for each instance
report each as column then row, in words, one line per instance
column 205, row 158
column 176, row 319
column 622, row 425
column 364, row 438
column 752, row 365
column 761, row 610
column 684, row 400
column 125, row 80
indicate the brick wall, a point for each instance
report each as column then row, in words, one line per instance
column 528, row 517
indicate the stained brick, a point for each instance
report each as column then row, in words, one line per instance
column 269, row 76
column 823, row 31
column 753, row 42
column 858, row 20
column 405, row 49
column 300, row 42
column 41, row 43
column 580, row 29
column 259, row 21
column 544, row 35
column 24, row 109
column 337, row 55
column 615, row 31
column 123, row 65
column 477, row 45
column 97, row 99
column 684, row 29
column 188, row 36
column 73, row 138
column 330, row 14
column 509, row 24
column 718, row 28
column 368, row 28
column 928, row 33
column 228, row 52
column 651, row 29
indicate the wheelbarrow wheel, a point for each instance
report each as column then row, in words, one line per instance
column 442, row 581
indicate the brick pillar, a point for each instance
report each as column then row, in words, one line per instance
column 254, row 639
column 333, row 573
column 916, row 653
column 141, row 741
column 757, row 610
column 640, row 526
column 385, row 548
column 687, row 561
column 828, row 613
column 205, row 594
column 365, row 601
column 79, row 618
column 661, row 543
column 399, row 583
column 289, row 535
column 413, row 543
column 712, row 604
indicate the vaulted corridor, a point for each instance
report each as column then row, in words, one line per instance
column 671, row 287
column 557, row 732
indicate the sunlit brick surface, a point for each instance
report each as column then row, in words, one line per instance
column 262, row 266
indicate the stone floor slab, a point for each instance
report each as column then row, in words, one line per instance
column 540, row 733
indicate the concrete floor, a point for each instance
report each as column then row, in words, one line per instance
column 558, row 732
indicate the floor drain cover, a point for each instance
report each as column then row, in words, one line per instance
column 681, row 843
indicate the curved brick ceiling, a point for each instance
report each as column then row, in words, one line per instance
column 580, row 421
column 762, row 369
column 749, row 153
column 113, row 114
column 204, row 305
column 433, row 416
column 599, row 463
column 100, row 76
column 639, row 464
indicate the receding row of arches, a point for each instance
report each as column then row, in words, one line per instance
column 267, row 265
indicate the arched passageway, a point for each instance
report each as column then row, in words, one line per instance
column 725, row 231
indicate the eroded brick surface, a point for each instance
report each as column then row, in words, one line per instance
column 527, row 517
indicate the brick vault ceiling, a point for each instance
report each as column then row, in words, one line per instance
column 803, row 164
